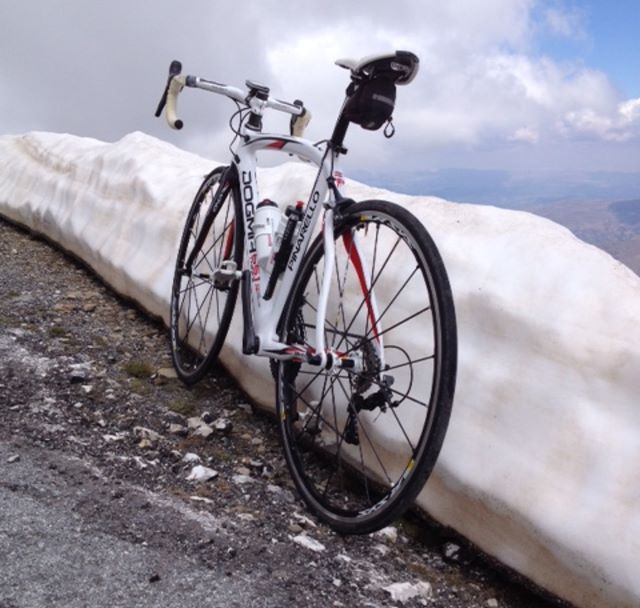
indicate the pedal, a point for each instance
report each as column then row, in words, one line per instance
column 227, row 272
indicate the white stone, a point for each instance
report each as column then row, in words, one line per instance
column 452, row 551
column 381, row 549
column 309, row 543
column 191, row 457
column 206, row 501
column 246, row 517
column 204, row 431
column 222, row 425
column 167, row 372
column 142, row 432
column 390, row 534
column 304, row 520
column 403, row 592
column 177, row 429
column 201, row 473
column 194, row 422
column 114, row 437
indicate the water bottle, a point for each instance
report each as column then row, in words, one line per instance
column 265, row 221
column 284, row 244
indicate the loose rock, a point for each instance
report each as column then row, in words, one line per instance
column 223, row 425
column 389, row 534
column 204, row 431
column 178, row 429
column 403, row 592
column 168, row 373
column 451, row 552
column 201, row 473
column 309, row 543
column 191, row 457
column 141, row 432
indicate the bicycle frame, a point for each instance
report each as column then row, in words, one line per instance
column 266, row 313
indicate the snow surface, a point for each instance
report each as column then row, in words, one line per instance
column 541, row 465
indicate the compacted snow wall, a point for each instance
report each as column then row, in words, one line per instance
column 541, row 465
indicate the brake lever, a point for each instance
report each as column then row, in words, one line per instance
column 299, row 123
column 174, row 70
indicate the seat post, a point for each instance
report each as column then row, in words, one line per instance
column 339, row 132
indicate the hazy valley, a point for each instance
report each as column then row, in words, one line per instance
column 600, row 207
column 612, row 226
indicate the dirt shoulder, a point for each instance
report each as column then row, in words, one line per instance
column 96, row 450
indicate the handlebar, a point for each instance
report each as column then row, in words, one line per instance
column 256, row 98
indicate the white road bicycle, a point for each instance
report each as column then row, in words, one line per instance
column 355, row 312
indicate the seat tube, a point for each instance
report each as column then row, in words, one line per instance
column 327, row 275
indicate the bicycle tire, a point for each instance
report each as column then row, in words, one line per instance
column 197, row 335
column 343, row 431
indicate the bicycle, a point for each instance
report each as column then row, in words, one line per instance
column 357, row 320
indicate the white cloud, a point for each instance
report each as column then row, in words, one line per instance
column 482, row 83
column 622, row 125
column 526, row 135
column 565, row 22
column 630, row 111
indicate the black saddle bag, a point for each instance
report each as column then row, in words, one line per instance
column 370, row 103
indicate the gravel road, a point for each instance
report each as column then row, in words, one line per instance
column 98, row 440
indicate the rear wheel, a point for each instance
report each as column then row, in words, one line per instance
column 205, row 286
column 362, row 439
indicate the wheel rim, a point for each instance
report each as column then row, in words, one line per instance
column 353, row 438
column 201, row 305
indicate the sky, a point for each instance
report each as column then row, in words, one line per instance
column 515, row 85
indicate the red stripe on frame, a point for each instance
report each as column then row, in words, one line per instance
column 228, row 246
column 277, row 145
column 349, row 245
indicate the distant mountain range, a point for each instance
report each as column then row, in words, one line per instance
column 601, row 208
column 614, row 227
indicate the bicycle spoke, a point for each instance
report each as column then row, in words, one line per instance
column 194, row 285
column 411, row 362
column 331, row 326
column 361, row 426
column 404, row 432
column 372, row 286
column 198, row 310
column 396, row 325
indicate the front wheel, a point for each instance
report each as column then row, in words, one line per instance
column 361, row 440
column 205, row 286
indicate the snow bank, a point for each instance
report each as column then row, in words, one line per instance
column 541, row 466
